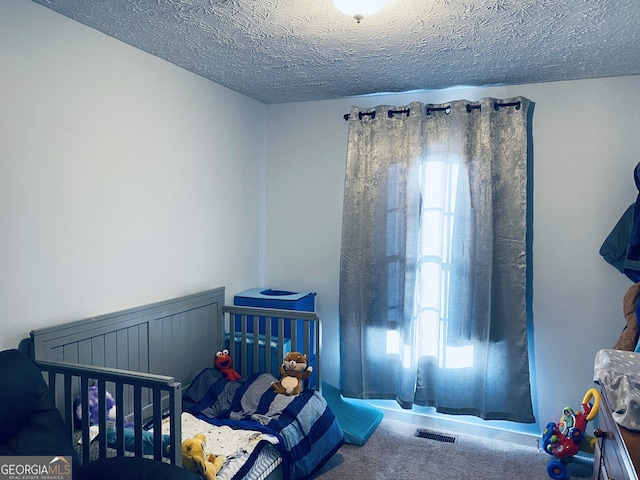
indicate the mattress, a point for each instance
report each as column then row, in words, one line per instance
column 249, row 454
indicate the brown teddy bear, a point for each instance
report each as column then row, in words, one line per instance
column 294, row 370
column 193, row 457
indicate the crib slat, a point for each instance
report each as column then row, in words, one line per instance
column 157, row 425
column 84, row 387
column 120, row 419
column 256, row 345
column 102, row 419
column 280, row 321
column 137, row 415
column 267, row 347
column 69, row 414
column 175, row 427
column 243, row 345
column 293, row 326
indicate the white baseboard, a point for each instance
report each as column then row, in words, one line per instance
column 448, row 423
column 425, row 417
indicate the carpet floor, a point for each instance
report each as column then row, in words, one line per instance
column 394, row 452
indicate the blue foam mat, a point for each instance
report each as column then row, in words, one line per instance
column 357, row 419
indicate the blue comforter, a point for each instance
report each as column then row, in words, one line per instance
column 308, row 431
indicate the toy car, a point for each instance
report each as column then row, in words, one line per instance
column 562, row 439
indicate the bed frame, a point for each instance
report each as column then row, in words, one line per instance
column 144, row 355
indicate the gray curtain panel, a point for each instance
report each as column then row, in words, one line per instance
column 433, row 280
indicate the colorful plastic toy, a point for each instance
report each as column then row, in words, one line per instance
column 562, row 440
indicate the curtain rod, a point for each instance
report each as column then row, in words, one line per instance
column 430, row 110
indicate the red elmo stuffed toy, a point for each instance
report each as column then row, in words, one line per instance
column 223, row 363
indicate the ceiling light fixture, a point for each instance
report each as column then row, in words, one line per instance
column 359, row 9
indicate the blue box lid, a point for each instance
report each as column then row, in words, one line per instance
column 273, row 294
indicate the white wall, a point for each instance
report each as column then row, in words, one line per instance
column 586, row 145
column 123, row 179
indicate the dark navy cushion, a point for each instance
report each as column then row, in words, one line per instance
column 31, row 423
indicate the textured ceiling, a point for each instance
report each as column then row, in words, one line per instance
column 297, row 50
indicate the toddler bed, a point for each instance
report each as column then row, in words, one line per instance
column 142, row 357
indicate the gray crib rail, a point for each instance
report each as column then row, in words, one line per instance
column 165, row 392
column 301, row 331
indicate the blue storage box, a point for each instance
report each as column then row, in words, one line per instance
column 275, row 359
column 270, row 298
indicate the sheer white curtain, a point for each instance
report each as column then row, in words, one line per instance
column 434, row 266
